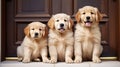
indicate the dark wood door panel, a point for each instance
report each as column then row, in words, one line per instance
column 32, row 8
column 62, row 6
column 81, row 3
column 56, row 6
column 20, row 30
column 67, row 6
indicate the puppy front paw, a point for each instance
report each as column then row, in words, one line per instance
column 69, row 60
column 78, row 60
column 96, row 60
column 19, row 59
column 26, row 60
column 53, row 60
column 37, row 60
column 46, row 60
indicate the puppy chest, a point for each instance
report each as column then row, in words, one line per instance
column 36, row 53
column 87, row 48
column 87, row 45
column 60, row 40
column 63, row 40
column 86, row 37
column 36, row 50
column 61, row 51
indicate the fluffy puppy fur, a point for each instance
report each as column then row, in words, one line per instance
column 87, row 35
column 60, row 38
column 34, row 44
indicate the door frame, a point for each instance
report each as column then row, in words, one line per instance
column 118, row 42
column 3, row 30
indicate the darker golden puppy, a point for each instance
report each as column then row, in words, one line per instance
column 87, row 35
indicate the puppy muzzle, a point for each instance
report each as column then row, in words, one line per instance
column 88, row 22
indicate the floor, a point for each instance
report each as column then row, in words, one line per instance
column 60, row 64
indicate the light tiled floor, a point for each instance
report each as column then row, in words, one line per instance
column 60, row 64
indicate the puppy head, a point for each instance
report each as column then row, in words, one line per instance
column 60, row 22
column 88, row 16
column 36, row 30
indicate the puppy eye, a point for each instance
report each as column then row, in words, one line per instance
column 65, row 20
column 92, row 13
column 39, row 29
column 33, row 29
column 84, row 13
column 57, row 20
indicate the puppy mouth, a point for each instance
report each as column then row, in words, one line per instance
column 36, row 37
column 61, row 29
column 88, row 23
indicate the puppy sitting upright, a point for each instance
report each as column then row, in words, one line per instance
column 34, row 44
column 60, row 38
column 87, row 35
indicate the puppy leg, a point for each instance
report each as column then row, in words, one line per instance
column 19, row 53
column 96, row 53
column 44, row 55
column 69, row 54
column 53, row 54
column 27, row 55
column 78, row 52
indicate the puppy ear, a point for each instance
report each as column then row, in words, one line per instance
column 45, row 33
column 51, row 23
column 27, row 31
column 77, row 16
column 71, row 23
column 99, row 16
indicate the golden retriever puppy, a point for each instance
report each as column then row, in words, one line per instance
column 34, row 44
column 60, row 40
column 87, row 35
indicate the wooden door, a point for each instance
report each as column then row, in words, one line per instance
column 19, row 13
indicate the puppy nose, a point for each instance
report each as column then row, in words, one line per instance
column 36, row 34
column 87, row 17
column 61, row 25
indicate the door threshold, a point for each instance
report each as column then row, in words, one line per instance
column 102, row 58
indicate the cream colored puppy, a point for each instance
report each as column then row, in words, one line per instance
column 60, row 38
column 87, row 35
column 34, row 44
